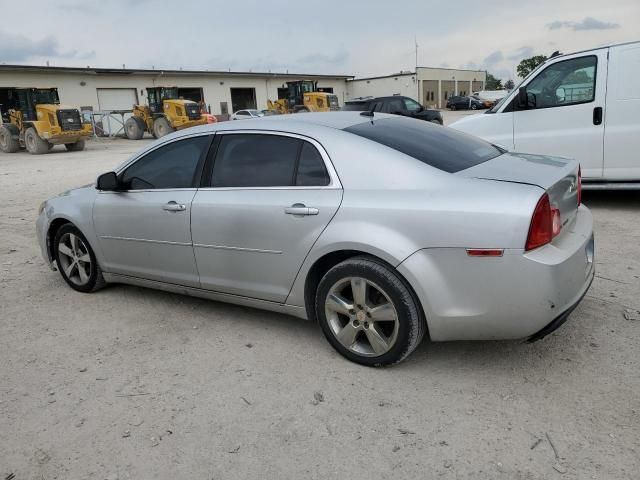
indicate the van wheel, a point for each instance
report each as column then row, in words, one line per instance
column 35, row 145
column 162, row 127
column 8, row 143
column 368, row 313
column 75, row 147
column 134, row 128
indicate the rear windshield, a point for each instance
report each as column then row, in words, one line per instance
column 440, row 147
column 356, row 107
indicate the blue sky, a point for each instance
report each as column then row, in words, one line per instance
column 356, row 37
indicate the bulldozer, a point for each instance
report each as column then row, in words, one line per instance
column 303, row 96
column 34, row 119
column 166, row 112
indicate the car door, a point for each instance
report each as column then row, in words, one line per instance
column 564, row 115
column 269, row 198
column 144, row 230
column 411, row 107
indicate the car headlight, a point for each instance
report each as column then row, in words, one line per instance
column 41, row 207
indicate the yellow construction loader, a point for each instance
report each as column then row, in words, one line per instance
column 303, row 96
column 165, row 113
column 34, row 119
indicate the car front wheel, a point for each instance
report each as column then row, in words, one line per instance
column 76, row 261
column 368, row 313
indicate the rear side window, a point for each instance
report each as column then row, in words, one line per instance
column 311, row 169
column 442, row 148
column 255, row 160
column 174, row 165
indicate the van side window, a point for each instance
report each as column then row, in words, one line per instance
column 569, row 82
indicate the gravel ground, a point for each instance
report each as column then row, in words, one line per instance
column 131, row 383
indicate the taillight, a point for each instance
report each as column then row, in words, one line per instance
column 541, row 228
column 579, row 185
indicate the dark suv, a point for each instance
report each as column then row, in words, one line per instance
column 396, row 104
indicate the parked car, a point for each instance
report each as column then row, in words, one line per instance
column 356, row 221
column 582, row 105
column 457, row 102
column 247, row 114
column 397, row 105
column 491, row 96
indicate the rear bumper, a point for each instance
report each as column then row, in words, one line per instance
column 514, row 296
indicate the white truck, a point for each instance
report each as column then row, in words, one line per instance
column 583, row 105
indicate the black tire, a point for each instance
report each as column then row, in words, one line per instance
column 95, row 279
column 436, row 121
column 134, row 128
column 35, row 145
column 411, row 325
column 474, row 106
column 8, row 141
column 452, row 107
column 162, row 127
column 302, row 110
column 75, row 147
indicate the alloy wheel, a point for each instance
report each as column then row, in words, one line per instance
column 75, row 260
column 361, row 316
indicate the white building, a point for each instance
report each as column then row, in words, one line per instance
column 119, row 89
column 430, row 86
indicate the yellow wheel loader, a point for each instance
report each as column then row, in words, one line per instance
column 165, row 113
column 302, row 96
column 35, row 120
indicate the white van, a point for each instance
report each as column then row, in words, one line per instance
column 583, row 105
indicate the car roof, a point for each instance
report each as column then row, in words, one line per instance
column 302, row 123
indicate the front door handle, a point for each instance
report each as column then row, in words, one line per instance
column 174, row 207
column 597, row 115
column 300, row 209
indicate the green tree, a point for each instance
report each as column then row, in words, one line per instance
column 509, row 84
column 526, row 65
column 493, row 83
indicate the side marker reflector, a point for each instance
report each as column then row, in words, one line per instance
column 485, row 252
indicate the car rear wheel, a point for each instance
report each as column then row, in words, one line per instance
column 368, row 313
column 76, row 261
column 452, row 107
column 474, row 106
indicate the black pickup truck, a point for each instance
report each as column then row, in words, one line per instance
column 395, row 104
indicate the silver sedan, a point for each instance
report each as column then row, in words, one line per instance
column 383, row 229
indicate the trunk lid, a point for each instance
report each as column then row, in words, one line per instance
column 557, row 176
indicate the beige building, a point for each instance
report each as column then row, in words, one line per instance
column 430, row 86
column 103, row 89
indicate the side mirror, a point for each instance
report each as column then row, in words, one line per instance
column 523, row 100
column 108, row 182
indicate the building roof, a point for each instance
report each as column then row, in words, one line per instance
column 159, row 71
column 407, row 74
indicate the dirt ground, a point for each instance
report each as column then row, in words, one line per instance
column 131, row 383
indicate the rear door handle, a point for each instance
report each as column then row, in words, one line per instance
column 300, row 209
column 597, row 115
column 174, row 207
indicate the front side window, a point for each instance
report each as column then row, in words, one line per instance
column 393, row 106
column 171, row 166
column 256, row 160
column 412, row 105
column 568, row 82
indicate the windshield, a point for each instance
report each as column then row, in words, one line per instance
column 169, row 93
column 42, row 96
column 442, row 148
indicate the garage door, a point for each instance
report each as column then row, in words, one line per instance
column 115, row 99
